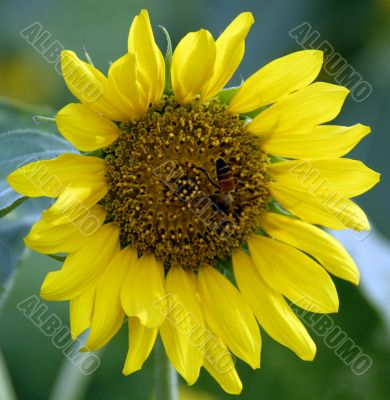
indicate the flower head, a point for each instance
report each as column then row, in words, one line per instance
column 182, row 179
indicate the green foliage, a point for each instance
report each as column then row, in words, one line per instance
column 15, row 114
column 14, row 227
column 19, row 147
column 22, row 146
column 225, row 95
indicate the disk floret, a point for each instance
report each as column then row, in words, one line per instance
column 164, row 189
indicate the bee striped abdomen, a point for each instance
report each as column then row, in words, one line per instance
column 225, row 177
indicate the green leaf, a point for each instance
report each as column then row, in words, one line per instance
column 255, row 113
column 19, row 147
column 225, row 95
column 15, row 114
column 14, row 227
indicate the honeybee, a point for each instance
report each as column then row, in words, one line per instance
column 226, row 187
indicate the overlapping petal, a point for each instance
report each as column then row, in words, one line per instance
column 220, row 365
column 230, row 48
column 48, row 238
column 108, row 314
column 184, row 317
column 320, row 206
column 192, row 65
column 301, row 111
column 51, row 177
column 80, row 312
column 314, row 241
column 129, row 84
column 277, row 79
column 229, row 316
column 292, row 273
column 347, row 177
column 141, row 342
column 149, row 306
column 150, row 60
column 84, row 128
column 271, row 309
column 83, row 267
column 323, row 142
column 90, row 86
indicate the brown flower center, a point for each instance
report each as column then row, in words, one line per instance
column 187, row 183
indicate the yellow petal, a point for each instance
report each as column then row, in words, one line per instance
column 143, row 293
column 90, row 86
column 192, row 65
column 293, row 274
column 230, row 48
column 48, row 238
column 220, row 365
column 229, row 316
column 184, row 316
column 323, row 142
column 80, row 312
column 82, row 267
column 301, row 111
column 50, row 177
column 129, row 86
column 108, row 314
column 277, row 79
column 347, row 177
column 323, row 207
column 85, row 129
column 141, row 342
column 75, row 201
column 271, row 309
column 149, row 58
column 313, row 241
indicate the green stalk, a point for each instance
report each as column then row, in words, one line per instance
column 70, row 383
column 6, row 389
column 165, row 376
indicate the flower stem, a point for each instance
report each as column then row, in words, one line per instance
column 6, row 388
column 165, row 376
column 72, row 382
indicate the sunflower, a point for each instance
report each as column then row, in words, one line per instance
column 191, row 210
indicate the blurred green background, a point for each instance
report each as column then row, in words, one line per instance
column 360, row 31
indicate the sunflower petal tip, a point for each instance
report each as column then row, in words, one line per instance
column 319, row 54
column 128, row 370
column 335, row 306
column 249, row 16
column 310, row 354
column 355, row 280
column 27, row 241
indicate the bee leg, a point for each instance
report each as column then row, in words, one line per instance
column 208, row 176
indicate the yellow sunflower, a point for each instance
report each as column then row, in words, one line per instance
column 183, row 177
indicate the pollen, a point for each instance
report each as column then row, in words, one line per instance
column 166, row 185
